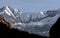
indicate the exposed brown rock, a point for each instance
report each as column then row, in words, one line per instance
column 2, row 20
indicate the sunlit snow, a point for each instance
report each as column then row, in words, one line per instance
column 42, row 13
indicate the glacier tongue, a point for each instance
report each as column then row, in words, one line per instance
column 37, row 23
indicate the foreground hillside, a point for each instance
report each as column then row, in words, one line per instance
column 7, row 31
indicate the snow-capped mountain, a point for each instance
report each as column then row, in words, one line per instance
column 10, row 14
column 32, row 22
column 8, row 11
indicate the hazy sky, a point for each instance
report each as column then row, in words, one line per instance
column 31, row 5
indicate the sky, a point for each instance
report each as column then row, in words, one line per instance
column 31, row 5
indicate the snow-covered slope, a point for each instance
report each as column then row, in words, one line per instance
column 32, row 22
column 10, row 14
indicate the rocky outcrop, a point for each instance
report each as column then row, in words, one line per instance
column 3, row 21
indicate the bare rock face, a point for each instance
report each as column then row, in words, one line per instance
column 3, row 21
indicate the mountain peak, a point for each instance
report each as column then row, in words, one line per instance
column 6, row 6
column 7, row 10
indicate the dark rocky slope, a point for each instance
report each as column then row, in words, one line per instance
column 55, row 30
column 8, row 31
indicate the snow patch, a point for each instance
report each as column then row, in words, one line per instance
column 42, row 13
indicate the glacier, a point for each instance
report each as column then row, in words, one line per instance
column 33, row 22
